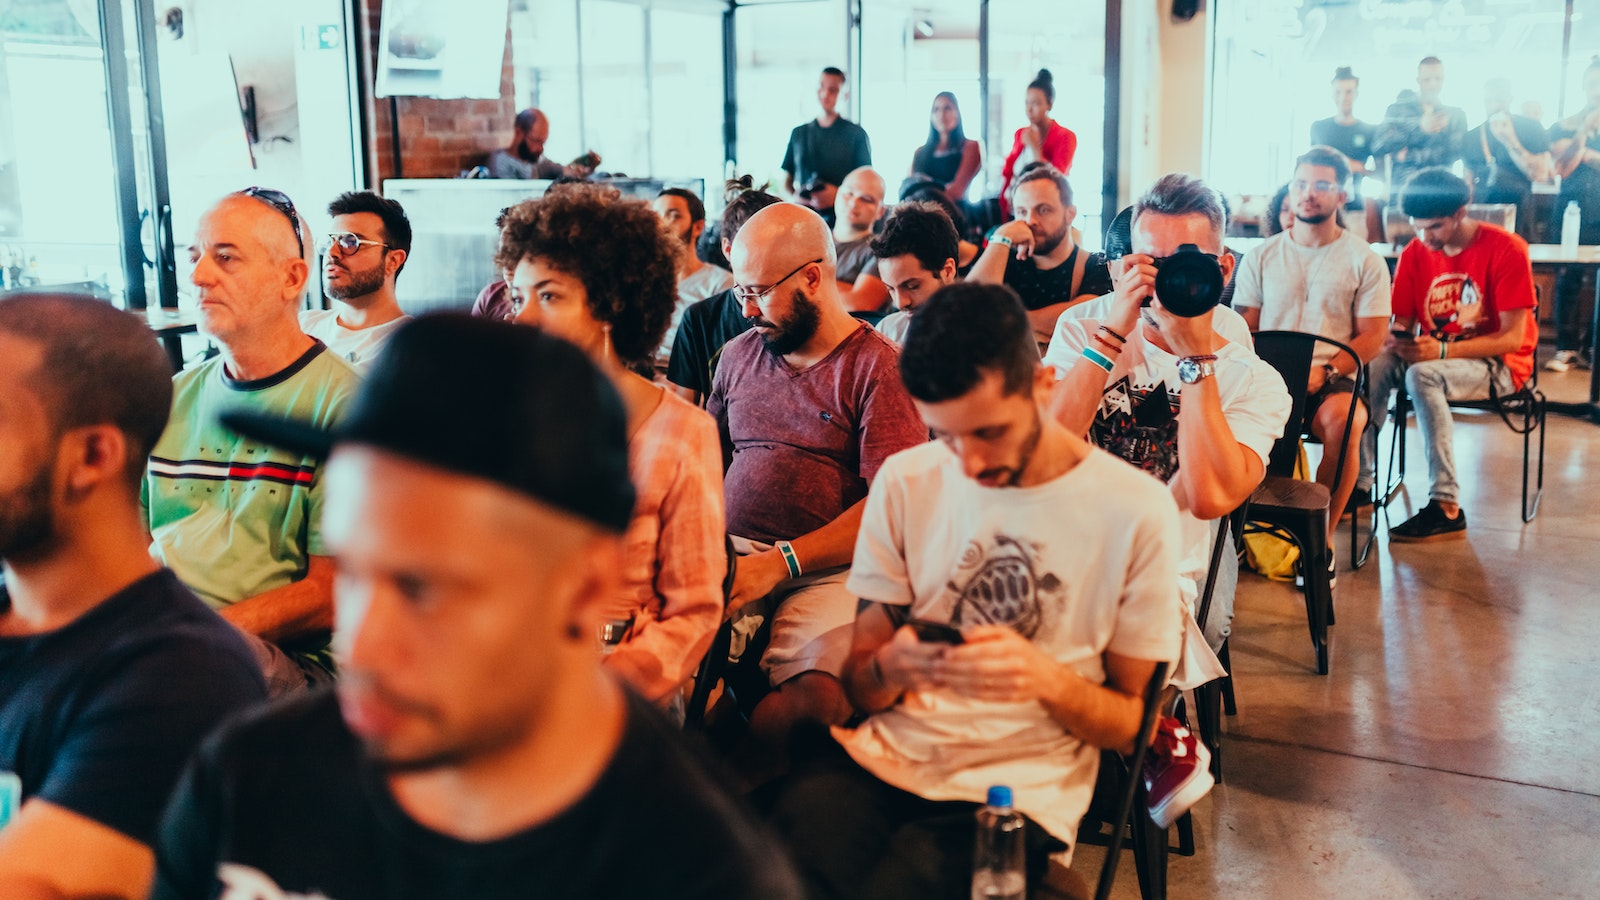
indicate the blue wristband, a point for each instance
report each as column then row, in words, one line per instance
column 789, row 559
column 1098, row 358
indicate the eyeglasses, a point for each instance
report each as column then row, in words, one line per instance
column 279, row 201
column 1318, row 187
column 348, row 243
column 754, row 294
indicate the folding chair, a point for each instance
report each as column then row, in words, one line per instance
column 1297, row 509
column 1115, row 806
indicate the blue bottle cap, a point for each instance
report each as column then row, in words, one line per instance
column 1000, row 796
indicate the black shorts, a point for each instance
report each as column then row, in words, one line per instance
column 1342, row 384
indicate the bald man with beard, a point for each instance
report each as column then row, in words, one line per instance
column 810, row 404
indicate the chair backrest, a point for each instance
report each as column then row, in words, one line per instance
column 1291, row 353
column 1141, row 746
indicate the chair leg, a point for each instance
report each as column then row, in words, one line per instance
column 1208, row 721
column 1149, row 850
column 1319, row 595
column 1229, row 706
column 1536, row 419
column 1185, row 828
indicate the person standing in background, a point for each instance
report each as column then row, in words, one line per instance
column 1577, row 160
column 1350, row 136
column 1420, row 132
column 1505, row 155
column 948, row 157
column 1043, row 138
column 824, row 150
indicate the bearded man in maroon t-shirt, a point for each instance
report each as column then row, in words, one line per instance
column 810, row 404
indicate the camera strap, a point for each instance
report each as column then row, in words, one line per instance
column 1080, row 261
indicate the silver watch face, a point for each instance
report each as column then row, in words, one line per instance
column 1190, row 371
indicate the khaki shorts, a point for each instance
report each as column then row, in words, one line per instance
column 813, row 620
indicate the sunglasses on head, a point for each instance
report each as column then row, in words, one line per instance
column 279, row 201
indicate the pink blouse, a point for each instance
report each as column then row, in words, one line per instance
column 674, row 552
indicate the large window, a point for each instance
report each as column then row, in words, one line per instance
column 1276, row 60
column 782, row 49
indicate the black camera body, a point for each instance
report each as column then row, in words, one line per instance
column 810, row 187
column 1189, row 282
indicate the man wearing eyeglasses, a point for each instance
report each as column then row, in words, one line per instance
column 362, row 257
column 238, row 521
column 810, row 404
column 1321, row 279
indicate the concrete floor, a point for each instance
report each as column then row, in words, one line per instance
column 1454, row 750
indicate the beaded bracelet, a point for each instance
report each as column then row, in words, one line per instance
column 1107, row 330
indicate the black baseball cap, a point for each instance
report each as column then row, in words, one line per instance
column 488, row 399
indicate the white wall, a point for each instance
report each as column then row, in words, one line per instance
column 1166, row 69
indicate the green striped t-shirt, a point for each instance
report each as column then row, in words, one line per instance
column 234, row 517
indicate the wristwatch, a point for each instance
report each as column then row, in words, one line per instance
column 1193, row 368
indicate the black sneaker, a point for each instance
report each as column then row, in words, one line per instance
column 1431, row 524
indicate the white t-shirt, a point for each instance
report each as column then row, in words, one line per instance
column 1080, row 565
column 894, row 325
column 707, row 281
column 1254, row 402
column 1317, row 290
column 357, row 347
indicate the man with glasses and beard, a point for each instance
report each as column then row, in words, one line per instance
column 1321, row 279
column 362, row 257
column 111, row 671
column 810, row 405
column 685, row 219
column 239, row 522
column 1034, row 254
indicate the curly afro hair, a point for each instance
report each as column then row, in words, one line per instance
column 615, row 245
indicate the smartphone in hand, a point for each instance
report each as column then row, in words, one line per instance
column 935, row 632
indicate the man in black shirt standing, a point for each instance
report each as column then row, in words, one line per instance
column 474, row 746
column 1505, row 155
column 1420, row 133
column 1350, row 136
column 824, row 150
column 1034, row 254
column 111, row 671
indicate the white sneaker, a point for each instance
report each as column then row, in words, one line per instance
column 1562, row 361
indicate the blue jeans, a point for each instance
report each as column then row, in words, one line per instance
column 1431, row 385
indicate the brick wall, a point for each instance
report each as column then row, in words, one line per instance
column 438, row 138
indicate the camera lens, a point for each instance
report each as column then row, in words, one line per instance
column 1189, row 282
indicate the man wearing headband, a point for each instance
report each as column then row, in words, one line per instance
column 474, row 746
column 236, row 520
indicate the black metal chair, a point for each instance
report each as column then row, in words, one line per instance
column 1293, row 508
column 1523, row 411
column 1216, row 696
column 1120, row 802
column 715, row 662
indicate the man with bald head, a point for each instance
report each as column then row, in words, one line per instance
column 525, row 157
column 857, row 207
column 810, row 404
column 236, row 520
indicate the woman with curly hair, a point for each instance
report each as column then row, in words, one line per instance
column 599, row 271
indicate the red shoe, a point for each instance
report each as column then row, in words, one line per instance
column 1177, row 772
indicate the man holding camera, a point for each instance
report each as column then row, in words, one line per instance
column 1182, row 397
column 1320, row 279
column 997, row 642
column 1464, row 329
column 823, row 151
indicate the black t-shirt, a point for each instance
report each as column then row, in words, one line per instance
column 1495, row 174
column 286, row 797
column 706, row 326
column 1581, row 187
column 1353, row 140
column 1039, row 288
column 100, row 715
column 828, row 153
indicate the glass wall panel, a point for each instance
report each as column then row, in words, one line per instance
column 782, row 49
column 616, row 97
column 686, row 97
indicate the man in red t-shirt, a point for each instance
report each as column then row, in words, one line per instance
column 1464, row 329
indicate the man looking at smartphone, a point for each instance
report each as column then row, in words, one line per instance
column 1061, row 620
column 1464, row 330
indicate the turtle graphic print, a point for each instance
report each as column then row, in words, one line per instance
column 999, row 583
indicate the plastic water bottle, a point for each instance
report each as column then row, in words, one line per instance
column 998, row 871
column 1571, row 223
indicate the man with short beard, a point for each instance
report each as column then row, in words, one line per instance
column 111, row 671
column 1034, row 254
column 1318, row 278
column 363, row 255
column 685, row 219
column 810, row 405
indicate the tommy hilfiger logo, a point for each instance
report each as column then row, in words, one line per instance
column 216, row 470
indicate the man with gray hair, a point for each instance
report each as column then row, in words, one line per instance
column 239, row 522
column 1185, row 399
column 810, row 404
